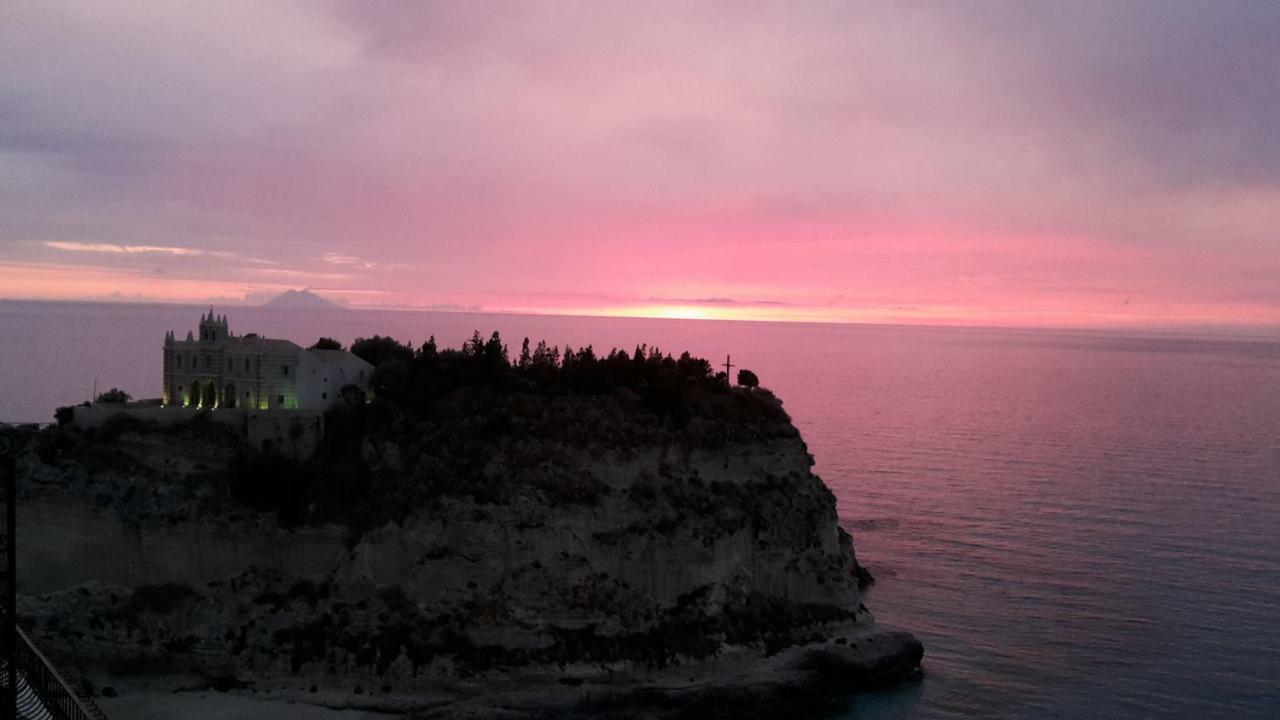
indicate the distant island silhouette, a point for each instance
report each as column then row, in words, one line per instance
column 302, row 299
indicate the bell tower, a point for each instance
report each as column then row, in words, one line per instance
column 213, row 328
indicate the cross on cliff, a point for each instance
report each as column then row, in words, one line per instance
column 727, row 367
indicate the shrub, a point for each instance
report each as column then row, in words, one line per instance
column 114, row 396
column 377, row 349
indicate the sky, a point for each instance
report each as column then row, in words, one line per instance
column 1051, row 164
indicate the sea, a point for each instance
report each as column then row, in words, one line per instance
column 1077, row 524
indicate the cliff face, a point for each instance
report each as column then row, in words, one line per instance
column 587, row 555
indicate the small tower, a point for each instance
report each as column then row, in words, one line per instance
column 213, row 328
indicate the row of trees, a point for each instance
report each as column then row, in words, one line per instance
column 448, row 410
column 400, row 368
column 416, row 378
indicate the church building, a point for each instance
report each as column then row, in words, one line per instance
column 221, row 370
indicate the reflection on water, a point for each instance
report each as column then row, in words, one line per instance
column 1077, row 525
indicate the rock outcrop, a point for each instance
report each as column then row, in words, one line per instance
column 516, row 556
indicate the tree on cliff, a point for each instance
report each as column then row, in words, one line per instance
column 525, row 356
column 545, row 358
column 115, row 396
column 428, row 351
column 694, row 368
column 392, row 378
column 64, row 415
column 326, row 343
column 377, row 349
column 748, row 379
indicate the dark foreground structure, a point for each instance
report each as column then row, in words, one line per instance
column 31, row 688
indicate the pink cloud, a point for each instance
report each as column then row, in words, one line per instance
column 849, row 163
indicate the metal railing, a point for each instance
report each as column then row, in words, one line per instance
column 42, row 692
column 30, row 687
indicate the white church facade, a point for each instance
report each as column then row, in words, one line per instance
column 219, row 370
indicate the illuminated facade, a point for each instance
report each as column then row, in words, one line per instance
column 221, row 370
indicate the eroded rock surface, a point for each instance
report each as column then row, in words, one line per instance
column 519, row 556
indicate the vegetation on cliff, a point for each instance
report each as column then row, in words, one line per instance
column 439, row 418
column 418, row 382
column 442, row 423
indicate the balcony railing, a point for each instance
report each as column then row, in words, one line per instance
column 30, row 687
column 42, row 693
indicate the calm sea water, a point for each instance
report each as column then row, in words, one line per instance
column 1076, row 525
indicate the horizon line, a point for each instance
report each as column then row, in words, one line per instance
column 1208, row 330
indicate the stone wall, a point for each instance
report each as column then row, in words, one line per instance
column 295, row 433
column 64, row 543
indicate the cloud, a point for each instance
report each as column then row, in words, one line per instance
column 337, row 259
column 127, row 249
column 977, row 155
column 714, row 301
column 298, row 274
column 112, row 249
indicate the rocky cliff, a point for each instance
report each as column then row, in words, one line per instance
column 509, row 553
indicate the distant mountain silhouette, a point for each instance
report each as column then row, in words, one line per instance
column 300, row 300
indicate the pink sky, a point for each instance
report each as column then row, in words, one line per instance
column 1084, row 164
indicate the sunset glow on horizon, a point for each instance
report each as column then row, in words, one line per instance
column 989, row 164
